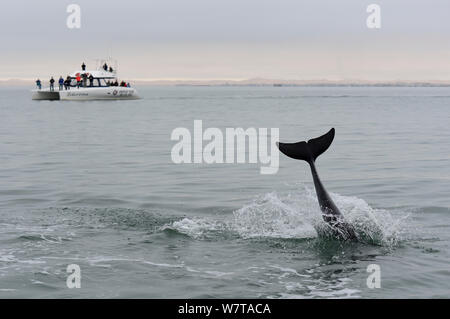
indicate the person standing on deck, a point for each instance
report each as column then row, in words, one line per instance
column 52, row 82
column 83, row 67
column 67, row 83
column 61, row 82
column 84, row 77
column 38, row 84
column 78, row 80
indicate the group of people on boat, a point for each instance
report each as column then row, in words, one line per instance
column 81, row 80
column 63, row 84
column 116, row 83
column 105, row 67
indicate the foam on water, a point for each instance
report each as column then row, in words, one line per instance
column 297, row 216
column 277, row 216
column 197, row 227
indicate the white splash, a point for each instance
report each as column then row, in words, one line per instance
column 272, row 216
column 297, row 215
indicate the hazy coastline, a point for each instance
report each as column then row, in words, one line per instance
column 259, row 82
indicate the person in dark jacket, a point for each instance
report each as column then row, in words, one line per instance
column 91, row 80
column 52, row 84
column 84, row 77
column 67, row 83
column 39, row 84
column 83, row 67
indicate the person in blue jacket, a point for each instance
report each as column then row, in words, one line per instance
column 61, row 83
column 39, row 84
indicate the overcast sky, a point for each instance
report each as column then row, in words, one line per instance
column 229, row 39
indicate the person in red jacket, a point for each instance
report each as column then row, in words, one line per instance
column 78, row 80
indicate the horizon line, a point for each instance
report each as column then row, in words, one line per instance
column 271, row 80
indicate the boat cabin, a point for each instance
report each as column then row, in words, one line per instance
column 100, row 78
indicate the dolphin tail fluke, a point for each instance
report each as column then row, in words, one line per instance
column 308, row 151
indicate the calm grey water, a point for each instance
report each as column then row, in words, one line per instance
column 93, row 184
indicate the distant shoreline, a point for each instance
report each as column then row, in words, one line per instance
column 259, row 82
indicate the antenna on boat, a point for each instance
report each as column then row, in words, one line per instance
column 111, row 60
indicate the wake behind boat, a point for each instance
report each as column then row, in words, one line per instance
column 99, row 84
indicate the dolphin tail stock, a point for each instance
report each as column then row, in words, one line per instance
column 308, row 151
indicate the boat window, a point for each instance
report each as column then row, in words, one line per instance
column 98, row 82
column 102, row 82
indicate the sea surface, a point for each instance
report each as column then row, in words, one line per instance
column 93, row 184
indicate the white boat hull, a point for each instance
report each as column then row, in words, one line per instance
column 88, row 93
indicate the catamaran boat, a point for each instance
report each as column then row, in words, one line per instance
column 91, row 85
